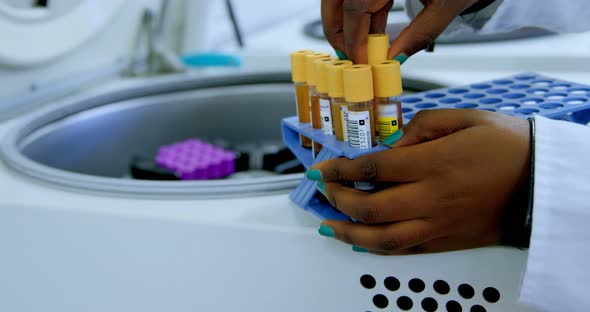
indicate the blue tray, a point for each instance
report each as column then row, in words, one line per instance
column 521, row 95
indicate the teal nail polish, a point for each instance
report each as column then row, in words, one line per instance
column 402, row 58
column 314, row 175
column 325, row 230
column 359, row 249
column 322, row 187
column 341, row 55
column 394, row 137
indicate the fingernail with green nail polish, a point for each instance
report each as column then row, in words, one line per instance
column 341, row 55
column 322, row 187
column 314, row 175
column 359, row 249
column 325, row 230
column 402, row 58
column 394, row 137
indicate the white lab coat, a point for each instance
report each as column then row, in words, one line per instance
column 557, row 276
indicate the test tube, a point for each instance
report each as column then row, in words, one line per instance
column 358, row 92
column 387, row 83
column 322, row 91
column 301, row 90
column 314, row 100
column 338, row 105
column 377, row 50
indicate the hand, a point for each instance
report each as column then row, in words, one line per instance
column 347, row 24
column 455, row 175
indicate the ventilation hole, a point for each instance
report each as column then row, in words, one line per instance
column 474, row 95
column 466, row 105
column 409, row 116
column 576, row 101
column 392, row 283
column 405, row 303
column 380, row 301
column 579, row 91
column 502, row 81
column 368, row 281
column 508, row 106
column 519, row 86
column 556, row 96
column 434, row 95
column 526, row 111
column 458, row 91
column 514, row 95
column 426, row 105
column 466, row 291
column 454, row 306
column 339, row 63
column 488, row 109
column 429, row 304
column 490, row 101
column 441, row 287
column 477, row 308
column 524, row 77
column 411, row 100
column 481, row 86
column 497, row 91
column 406, row 110
column 491, row 295
column 538, row 91
column 531, row 101
column 551, row 105
column 416, row 285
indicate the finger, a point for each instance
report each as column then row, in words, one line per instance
column 398, row 203
column 379, row 19
column 429, row 125
column 407, row 164
column 332, row 23
column 383, row 238
column 444, row 244
column 425, row 28
column 356, row 25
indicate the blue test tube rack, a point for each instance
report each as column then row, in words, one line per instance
column 522, row 95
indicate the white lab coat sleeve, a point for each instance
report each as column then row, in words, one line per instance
column 557, row 274
column 553, row 15
column 504, row 16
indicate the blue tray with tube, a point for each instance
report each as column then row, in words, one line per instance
column 522, row 95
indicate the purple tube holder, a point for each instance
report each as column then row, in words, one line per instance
column 193, row 159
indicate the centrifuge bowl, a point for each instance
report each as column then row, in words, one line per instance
column 87, row 143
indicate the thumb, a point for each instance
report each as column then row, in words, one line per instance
column 429, row 125
column 425, row 28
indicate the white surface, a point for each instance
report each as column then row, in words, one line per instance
column 23, row 34
column 557, row 278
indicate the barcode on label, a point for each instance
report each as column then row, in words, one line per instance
column 387, row 126
column 359, row 129
column 326, row 114
column 344, row 115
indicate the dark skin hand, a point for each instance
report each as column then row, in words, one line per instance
column 455, row 173
column 347, row 24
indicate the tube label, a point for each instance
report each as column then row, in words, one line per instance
column 326, row 114
column 387, row 120
column 359, row 129
column 344, row 116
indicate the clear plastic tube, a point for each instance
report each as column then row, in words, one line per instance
column 316, row 119
column 361, row 125
column 302, row 101
column 339, row 109
column 389, row 115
